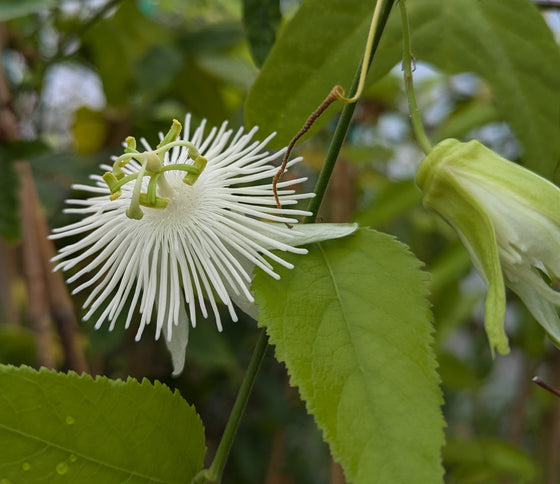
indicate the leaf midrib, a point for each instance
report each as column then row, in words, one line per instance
column 84, row 456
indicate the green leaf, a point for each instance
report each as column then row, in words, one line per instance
column 10, row 9
column 352, row 324
column 506, row 43
column 261, row 19
column 157, row 69
column 320, row 47
column 213, row 37
column 509, row 45
column 234, row 72
column 200, row 91
column 69, row 428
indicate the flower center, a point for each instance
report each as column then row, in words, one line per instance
column 151, row 165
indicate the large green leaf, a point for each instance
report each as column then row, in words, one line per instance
column 260, row 19
column 505, row 42
column 320, row 47
column 352, row 324
column 69, row 428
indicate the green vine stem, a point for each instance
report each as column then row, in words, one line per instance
column 344, row 120
column 415, row 118
column 214, row 473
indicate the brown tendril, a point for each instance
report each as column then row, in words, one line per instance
column 336, row 93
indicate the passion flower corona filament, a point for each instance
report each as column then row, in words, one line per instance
column 173, row 230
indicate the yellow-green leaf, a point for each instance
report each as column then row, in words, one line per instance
column 352, row 324
column 69, row 428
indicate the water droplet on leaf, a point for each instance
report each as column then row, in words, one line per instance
column 26, row 466
column 62, row 468
column 70, row 420
column 72, row 458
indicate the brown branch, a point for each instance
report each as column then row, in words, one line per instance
column 60, row 304
column 37, row 293
column 47, row 294
column 47, row 291
column 546, row 386
column 337, row 473
column 275, row 473
column 8, row 271
column 547, row 3
column 550, row 434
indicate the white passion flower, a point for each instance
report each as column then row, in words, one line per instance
column 181, row 227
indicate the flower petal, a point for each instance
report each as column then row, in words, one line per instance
column 300, row 235
column 310, row 233
column 444, row 193
column 542, row 310
column 177, row 340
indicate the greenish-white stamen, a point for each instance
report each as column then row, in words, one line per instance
column 152, row 166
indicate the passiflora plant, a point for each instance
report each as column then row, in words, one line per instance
column 208, row 219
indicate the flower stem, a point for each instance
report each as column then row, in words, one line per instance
column 345, row 118
column 415, row 119
column 214, row 473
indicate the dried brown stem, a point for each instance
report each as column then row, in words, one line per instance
column 335, row 93
column 8, row 257
column 546, row 386
column 47, row 294
column 275, row 473
column 337, row 473
column 37, row 292
column 550, row 428
column 547, row 3
column 61, row 307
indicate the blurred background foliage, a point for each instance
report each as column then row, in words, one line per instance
column 78, row 76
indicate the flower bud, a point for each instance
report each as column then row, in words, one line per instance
column 508, row 219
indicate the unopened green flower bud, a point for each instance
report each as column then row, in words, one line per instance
column 508, row 218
